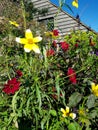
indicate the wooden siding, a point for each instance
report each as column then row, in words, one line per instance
column 62, row 21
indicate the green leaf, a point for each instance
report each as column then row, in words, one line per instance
column 3, row 113
column 62, row 3
column 53, row 112
column 72, row 126
column 44, row 120
column 91, row 101
column 38, row 93
column 14, row 101
column 74, row 99
column 57, row 85
column 94, row 113
column 88, row 128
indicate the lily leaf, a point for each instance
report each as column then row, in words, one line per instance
column 91, row 101
column 74, row 99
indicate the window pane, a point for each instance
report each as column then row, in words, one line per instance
column 49, row 23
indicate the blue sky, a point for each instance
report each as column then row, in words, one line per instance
column 88, row 11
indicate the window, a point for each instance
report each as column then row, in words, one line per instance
column 48, row 22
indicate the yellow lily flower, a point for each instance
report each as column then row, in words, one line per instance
column 29, row 41
column 14, row 23
column 66, row 113
column 75, row 3
column 94, row 89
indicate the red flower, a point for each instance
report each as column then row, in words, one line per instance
column 55, row 43
column 55, row 32
column 50, row 52
column 64, row 46
column 72, row 75
column 12, row 86
column 76, row 45
column 19, row 73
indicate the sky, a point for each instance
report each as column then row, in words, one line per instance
column 87, row 11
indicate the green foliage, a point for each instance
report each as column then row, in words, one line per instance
column 74, row 126
column 45, row 86
column 74, row 99
column 91, row 101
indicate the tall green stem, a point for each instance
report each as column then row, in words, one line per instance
column 23, row 13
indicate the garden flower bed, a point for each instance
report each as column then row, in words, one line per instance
column 47, row 82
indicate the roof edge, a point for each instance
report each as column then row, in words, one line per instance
column 90, row 29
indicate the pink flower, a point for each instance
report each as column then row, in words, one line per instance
column 12, row 86
column 64, row 46
column 72, row 75
column 50, row 52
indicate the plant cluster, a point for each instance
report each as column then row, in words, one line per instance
column 47, row 82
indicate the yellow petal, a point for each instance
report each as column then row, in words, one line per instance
column 62, row 110
column 28, row 47
column 64, row 115
column 94, row 89
column 28, row 34
column 14, row 23
column 21, row 40
column 67, row 109
column 35, row 48
column 37, row 39
column 93, row 84
column 97, row 87
column 75, row 4
column 72, row 115
column 97, row 94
